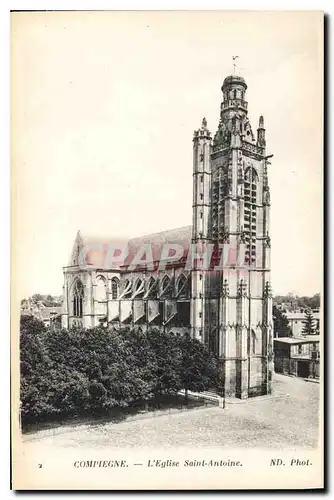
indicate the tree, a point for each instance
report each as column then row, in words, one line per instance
column 309, row 323
column 165, row 367
column 281, row 324
column 32, row 352
column 102, row 356
column 48, row 301
column 91, row 371
column 314, row 302
column 141, row 361
column 33, row 369
column 198, row 367
column 37, row 297
column 300, row 302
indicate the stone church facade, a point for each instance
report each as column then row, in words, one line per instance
column 226, row 303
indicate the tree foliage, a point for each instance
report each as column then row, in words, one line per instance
column 309, row 324
column 47, row 300
column 303, row 302
column 281, row 324
column 199, row 367
column 90, row 371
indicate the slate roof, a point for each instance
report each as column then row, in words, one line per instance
column 97, row 251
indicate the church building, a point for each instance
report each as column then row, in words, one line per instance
column 226, row 303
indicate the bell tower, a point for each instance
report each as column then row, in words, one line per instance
column 237, row 297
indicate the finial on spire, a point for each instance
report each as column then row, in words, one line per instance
column 261, row 133
column 234, row 58
column 203, row 131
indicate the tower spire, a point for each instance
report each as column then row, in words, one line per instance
column 234, row 58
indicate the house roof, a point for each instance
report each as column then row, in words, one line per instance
column 47, row 312
column 299, row 340
column 295, row 316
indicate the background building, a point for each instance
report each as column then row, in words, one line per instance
column 296, row 321
column 50, row 315
column 298, row 356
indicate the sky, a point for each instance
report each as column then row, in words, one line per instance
column 103, row 109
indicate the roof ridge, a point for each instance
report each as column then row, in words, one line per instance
column 161, row 232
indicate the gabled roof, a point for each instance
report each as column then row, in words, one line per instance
column 98, row 251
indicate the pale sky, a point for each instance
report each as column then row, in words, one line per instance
column 104, row 105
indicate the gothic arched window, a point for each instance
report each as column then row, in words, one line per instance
column 182, row 287
column 250, row 195
column 138, row 288
column 78, row 294
column 101, row 290
column 166, row 285
column 213, row 341
column 151, row 288
column 253, row 341
column 114, row 288
column 138, row 284
column 127, row 288
column 165, row 282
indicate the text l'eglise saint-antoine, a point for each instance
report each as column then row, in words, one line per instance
column 194, row 463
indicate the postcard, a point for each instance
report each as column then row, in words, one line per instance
column 167, row 246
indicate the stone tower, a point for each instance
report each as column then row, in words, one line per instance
column 232, row 301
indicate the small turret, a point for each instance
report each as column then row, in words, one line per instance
column 261, row 133
column 203, row 132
